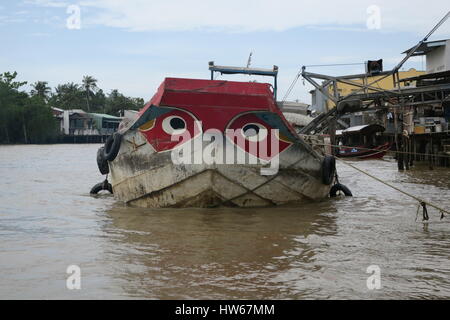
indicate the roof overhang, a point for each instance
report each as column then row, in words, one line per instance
column 426, row 47
column 367, row 129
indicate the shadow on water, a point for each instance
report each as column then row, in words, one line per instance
column 220, row 253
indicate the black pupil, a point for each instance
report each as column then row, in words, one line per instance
column 251, row 130
column 177, row 124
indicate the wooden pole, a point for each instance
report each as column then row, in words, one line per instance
column 332, row 132
column 406, row 151
column 397, row 144
column 430, row 150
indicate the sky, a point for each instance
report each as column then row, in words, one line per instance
column 133, row 45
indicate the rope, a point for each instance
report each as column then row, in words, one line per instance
column 312, row 66
column 422, row 202
column 425, row 211
column 291, row 86
column 417, row 213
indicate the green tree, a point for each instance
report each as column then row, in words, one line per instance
column 11, row 108
column 28, row 118
column 89, row 85
column 23, row 118
column 116, row 103
column 41, row 89
column 98, row 102
column 7, row 79
column 68, row 96
column 39, row 121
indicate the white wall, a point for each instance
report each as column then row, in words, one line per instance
column 66, row 122
column 438, row 60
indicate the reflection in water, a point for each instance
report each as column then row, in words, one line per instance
column 48, row 221
column 235, row 253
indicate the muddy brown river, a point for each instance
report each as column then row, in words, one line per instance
column 48, row 221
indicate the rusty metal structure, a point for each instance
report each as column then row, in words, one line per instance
column 369, row 96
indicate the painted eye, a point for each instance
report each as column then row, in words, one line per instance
column 174, row 125
column 254, row 132
column 250, row 130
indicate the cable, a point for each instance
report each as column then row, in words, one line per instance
column 335, row 65
column 291, row 86
column 312, row 66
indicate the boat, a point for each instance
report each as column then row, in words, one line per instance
column 361, row 142
column 211, row 143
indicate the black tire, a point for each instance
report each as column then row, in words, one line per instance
column 340, row 187
column 112, row 146
column 102, row 163
column 101, row 186
column 328, row 170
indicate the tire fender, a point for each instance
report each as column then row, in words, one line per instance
column 102, row 163
column 328, row 170
column 112, row 146
column 105, row 185
column 340, row 187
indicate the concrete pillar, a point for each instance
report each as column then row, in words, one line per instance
column 66, row 124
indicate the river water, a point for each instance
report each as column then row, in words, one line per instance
column 48, row 221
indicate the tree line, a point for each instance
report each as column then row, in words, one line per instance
column 27, row 117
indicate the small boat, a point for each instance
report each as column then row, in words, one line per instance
column 361, row 142
column 209, row 143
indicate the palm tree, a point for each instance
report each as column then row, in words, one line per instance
column 89, row 84
column 66, row 88
column 68, row 96
column 41, row 89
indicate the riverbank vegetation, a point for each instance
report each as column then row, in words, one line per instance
column 27, row 117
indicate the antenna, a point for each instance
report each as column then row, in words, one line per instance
column 249, row 61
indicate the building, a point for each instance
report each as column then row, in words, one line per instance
column 318, row 101
column 437, row 55
column 417, row 117
column 77, row 125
